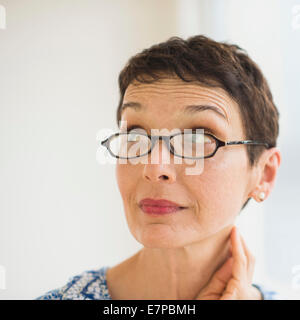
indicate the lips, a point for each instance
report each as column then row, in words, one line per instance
column 159, row 206
column 159, row 203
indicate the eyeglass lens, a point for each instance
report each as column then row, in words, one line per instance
column 192, row 145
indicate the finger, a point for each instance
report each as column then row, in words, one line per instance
column 239, row 269
column 218, row 282
column 222, row 276
column 250, row 259
column 229, row 254
column 230, row 295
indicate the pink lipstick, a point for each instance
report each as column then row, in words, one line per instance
column 160, row 206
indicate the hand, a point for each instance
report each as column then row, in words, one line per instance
column 233, row 280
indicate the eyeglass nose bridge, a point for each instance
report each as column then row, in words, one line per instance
column 166, row 139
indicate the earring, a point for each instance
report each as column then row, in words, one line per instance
column 261, row 196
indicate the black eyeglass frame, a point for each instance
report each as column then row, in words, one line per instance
column 219, row 144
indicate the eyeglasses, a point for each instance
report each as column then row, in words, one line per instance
column 130, row 145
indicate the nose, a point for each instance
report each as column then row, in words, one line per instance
column 159, row 171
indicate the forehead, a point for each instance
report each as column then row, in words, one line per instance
column 175, row 95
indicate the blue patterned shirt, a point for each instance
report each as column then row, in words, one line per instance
column 91, row 285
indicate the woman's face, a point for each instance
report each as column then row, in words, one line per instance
column 215, row 196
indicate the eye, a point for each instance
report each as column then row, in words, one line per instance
column 134, row 126
column 198, row 138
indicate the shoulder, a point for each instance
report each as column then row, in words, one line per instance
column 267, row 292
column 88, row 285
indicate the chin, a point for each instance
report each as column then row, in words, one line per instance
column 159, row 236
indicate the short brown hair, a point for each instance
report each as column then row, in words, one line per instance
column 213, row 64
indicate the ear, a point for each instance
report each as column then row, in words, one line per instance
column 267, row 167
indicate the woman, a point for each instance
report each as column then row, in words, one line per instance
column 185, row 220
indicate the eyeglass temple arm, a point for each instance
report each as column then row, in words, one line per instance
column 247, row 142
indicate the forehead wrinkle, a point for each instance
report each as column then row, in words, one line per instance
column 163, row 87
column 188, row 91
column 219, row 103
column 182, row 109
column 183, row 94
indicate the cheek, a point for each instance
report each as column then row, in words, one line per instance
column 219, row 189
column 127, row 178
column 124, row 179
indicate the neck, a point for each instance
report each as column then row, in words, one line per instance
column 169, row 273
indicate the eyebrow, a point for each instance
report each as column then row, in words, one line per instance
column 190, row 110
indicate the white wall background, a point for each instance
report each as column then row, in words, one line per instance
column 60, row 211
